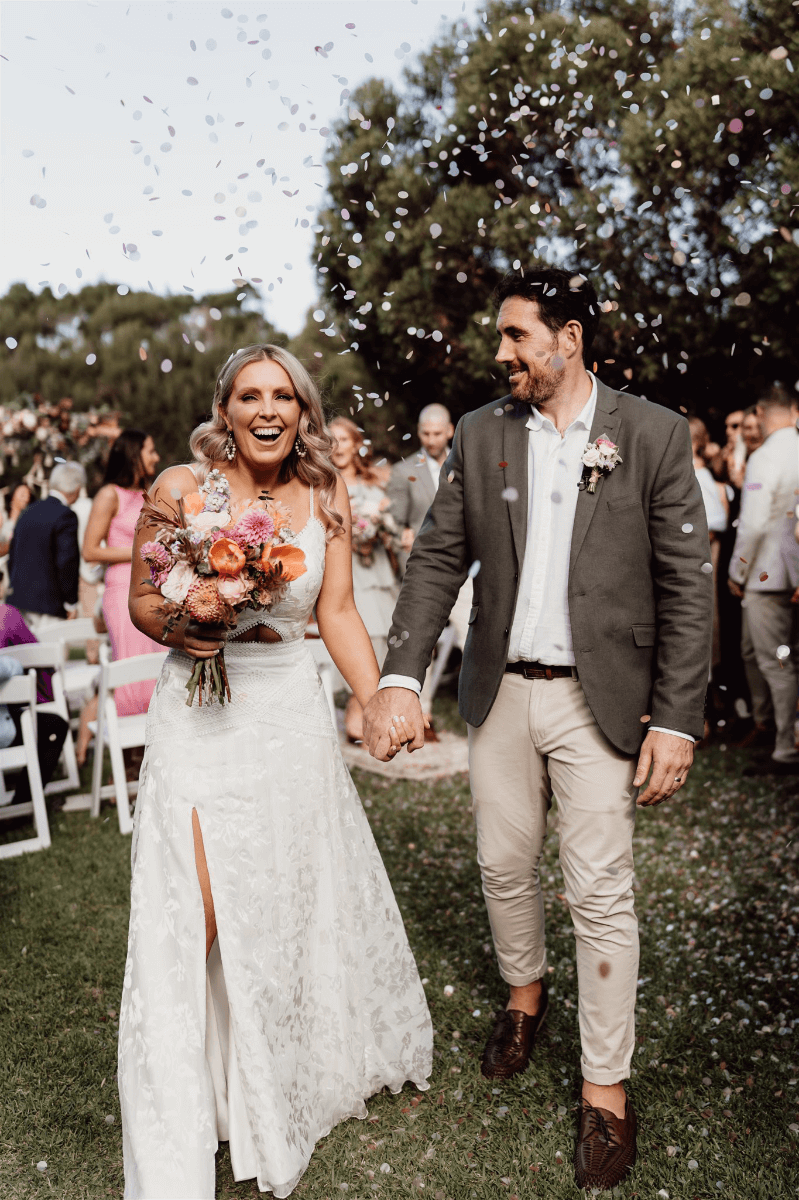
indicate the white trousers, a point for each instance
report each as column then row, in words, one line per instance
column 540, row 740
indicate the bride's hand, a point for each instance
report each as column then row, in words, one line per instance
column 204, row 641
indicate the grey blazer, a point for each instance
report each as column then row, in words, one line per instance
column 640, row 603
column 410, row 490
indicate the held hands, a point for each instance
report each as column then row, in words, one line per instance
column 670, row 758
column 204, row 641
column 393, row 719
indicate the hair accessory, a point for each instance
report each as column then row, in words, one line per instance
column 300, row 449
column 230, row 446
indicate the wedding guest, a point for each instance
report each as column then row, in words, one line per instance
column 115, row 511
column 411, row 489
column 413, row 481
column 51, row 728
column 759, row 573
column 585, row 668
column 21, row 497
column 373, row 578
column 44, row 560
column 741, row 695
column 90, row 575
column 751, row 431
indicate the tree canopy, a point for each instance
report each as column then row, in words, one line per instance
column 653, row 147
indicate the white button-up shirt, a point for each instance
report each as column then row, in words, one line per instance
column 541, row 629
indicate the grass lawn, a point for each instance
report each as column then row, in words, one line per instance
column 716, row 1064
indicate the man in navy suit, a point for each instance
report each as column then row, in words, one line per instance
column 44, row 559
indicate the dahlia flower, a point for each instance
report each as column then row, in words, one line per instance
column 204, row 602
column 252, row 529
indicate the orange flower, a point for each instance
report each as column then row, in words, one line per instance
column 281, row 516
column 193, row 503
column 226, row 557
column 290, row 558
column 204, row 602
column 242, row 506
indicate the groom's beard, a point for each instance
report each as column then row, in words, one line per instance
column 536, row 384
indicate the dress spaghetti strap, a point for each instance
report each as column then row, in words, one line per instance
column 311, row 501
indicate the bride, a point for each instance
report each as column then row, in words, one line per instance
column 269, row 987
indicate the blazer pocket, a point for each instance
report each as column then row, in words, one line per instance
column 475, row 609
column 624, row 502
column 644, row 635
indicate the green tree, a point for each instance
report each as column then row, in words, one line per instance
column 155, row 357
column 604, row 139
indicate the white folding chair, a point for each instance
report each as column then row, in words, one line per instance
column 324, row 664
column 119, row 733
column 22, row 690
column 80, row 676
column 51, row 656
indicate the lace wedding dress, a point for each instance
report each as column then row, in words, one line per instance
column 310, row 1001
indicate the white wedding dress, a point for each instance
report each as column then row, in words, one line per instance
column 311, row 1001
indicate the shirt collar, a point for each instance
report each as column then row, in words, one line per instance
column 58, row 495
column 585, row 420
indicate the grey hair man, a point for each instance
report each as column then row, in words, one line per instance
column 44, row 559
column 414, row 480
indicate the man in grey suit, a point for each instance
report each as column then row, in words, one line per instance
column 414, row 479
column 585, row 667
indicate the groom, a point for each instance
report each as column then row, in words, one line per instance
column 589, row 635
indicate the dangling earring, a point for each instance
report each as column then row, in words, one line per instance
column 230, row 446
column 300, row 449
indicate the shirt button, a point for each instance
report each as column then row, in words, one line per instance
column 507, row 631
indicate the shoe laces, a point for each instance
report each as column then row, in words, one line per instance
column 599, row 1124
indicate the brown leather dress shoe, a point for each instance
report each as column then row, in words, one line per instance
column 508, row 1049
column 606, row 1146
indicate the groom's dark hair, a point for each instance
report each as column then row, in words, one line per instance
column 561, row 296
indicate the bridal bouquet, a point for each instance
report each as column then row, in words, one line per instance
column 211, row 559
column 372, row 524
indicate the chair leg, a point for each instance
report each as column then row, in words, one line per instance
column 118, row 768
column 97, row 765
column 35, row 780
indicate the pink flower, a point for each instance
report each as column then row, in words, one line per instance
column 254, row 528
column 232, row 588
column 205, row 521
column 178, row 582
column 159, row 560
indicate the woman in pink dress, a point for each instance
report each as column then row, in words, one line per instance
column 109, row 540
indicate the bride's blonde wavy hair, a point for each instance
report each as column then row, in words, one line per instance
column 207, row 442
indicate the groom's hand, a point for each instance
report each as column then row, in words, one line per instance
column 669, row 757
column 387, row 707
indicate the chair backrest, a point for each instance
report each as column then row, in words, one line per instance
column 21, row 689
column 43, row 655
column 130, row 670
column 70, row 632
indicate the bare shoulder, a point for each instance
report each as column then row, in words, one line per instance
column 341, row 503
column 174, row 479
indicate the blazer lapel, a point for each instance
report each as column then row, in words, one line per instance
column 607, row 420
column 422, row 472
column 514, row 456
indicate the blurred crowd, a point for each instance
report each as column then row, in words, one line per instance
column 66, row 555
column 750, row 486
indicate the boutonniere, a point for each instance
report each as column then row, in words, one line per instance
column 599, row 458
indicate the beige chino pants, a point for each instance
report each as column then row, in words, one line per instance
column 540, row 740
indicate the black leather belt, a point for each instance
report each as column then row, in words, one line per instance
column 537, row 670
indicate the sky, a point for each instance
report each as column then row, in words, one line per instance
column 129, row 130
